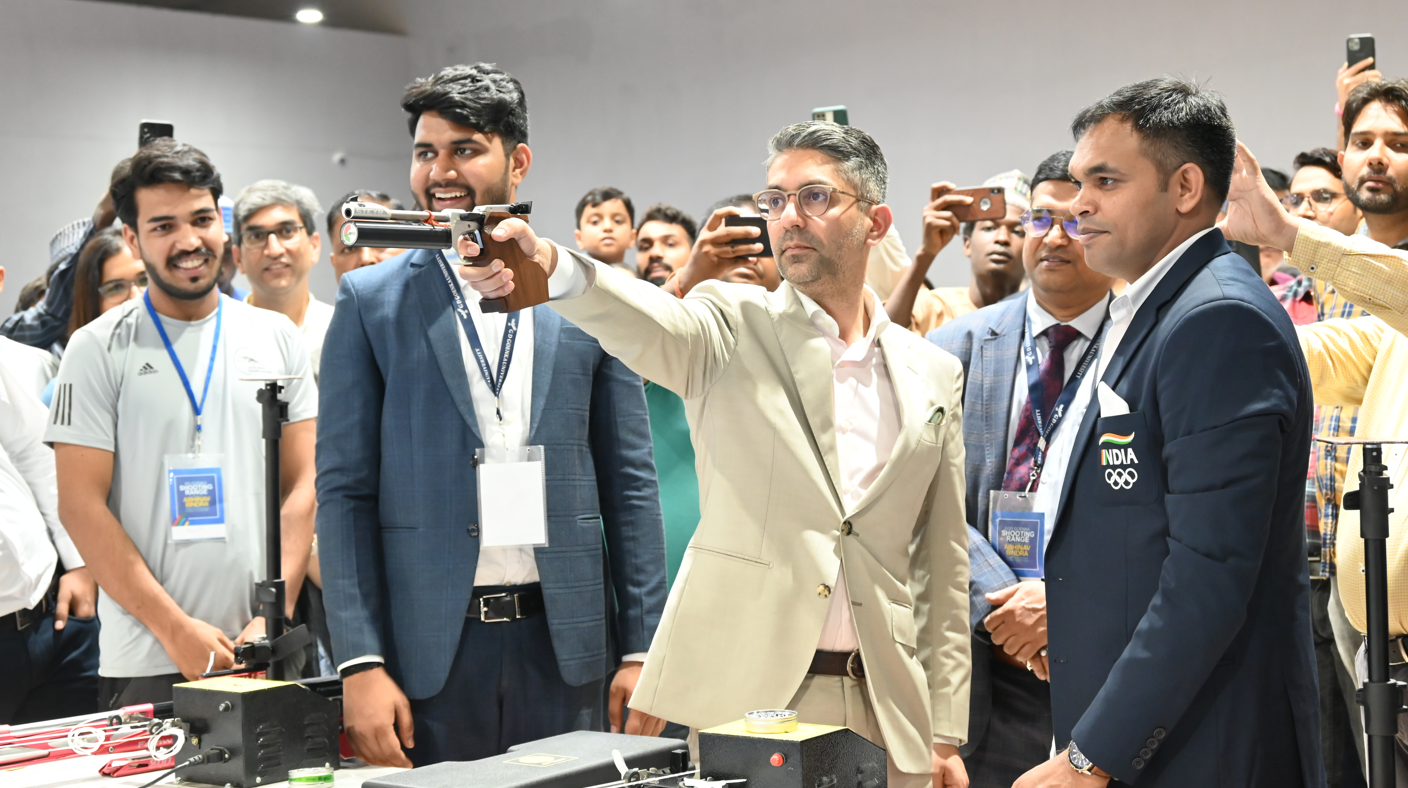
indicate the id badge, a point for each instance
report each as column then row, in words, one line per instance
column 195, row 485
column 512, row 497
column 1018, row 533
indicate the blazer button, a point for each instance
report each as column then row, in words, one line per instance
column 1159, row 733
column 823, row 591
column 474, row 530
column 846, row 528
column 1146, row 753
column 1153, row 744
column 1138, row 763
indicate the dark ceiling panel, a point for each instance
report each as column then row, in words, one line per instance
column 376, row 16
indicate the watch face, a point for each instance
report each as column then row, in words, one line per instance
column 1078, row 759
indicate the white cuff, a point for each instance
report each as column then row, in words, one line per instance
column 633, row 658
column 63, row 545
column 571, row 278
column 950, row 740
column 359, row 660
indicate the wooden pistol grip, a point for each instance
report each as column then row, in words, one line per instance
column 530, row 281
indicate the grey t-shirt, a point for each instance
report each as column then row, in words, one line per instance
column 117, row 390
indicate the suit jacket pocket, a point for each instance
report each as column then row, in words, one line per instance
column 902, row 625
column 1125, row 463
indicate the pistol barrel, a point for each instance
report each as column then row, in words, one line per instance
column 394, row 235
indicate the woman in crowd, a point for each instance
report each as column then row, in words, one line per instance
column 107, row 276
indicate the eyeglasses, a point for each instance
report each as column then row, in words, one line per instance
column 256, row 238
column 811, row 200
column 1039, row 222
column 1322, row 198
column 116, row 288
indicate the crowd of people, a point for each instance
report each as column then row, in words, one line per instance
column 1063, row 525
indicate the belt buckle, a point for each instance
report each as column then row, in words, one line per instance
column 851, row 662
column 483, row 609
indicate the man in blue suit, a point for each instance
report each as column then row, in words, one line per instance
column 1177, row 588
column 1009, row 723
column 457, row 635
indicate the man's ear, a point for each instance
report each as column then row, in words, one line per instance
column 1189, row 187
column 316, row 239
column 235, row 255
column 133, row 246
column 881, row 218
column 2, row 277
column 518, row 163
column 577, row 236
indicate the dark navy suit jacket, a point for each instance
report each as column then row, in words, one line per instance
column 396, row 488
column 1178, row 598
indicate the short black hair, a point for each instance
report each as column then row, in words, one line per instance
column 1056, row 167
column 603, row 194
column 481, row 96
column 160, row 161
column 335, row 212
column 669, row 214
column 1391, row 92
column 745, row 201
column 1324, row 158
column 1277, row 180
column 1178, row 121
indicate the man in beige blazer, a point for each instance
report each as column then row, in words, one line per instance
column 829, row 571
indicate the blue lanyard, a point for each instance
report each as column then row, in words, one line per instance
column 198, row 407
column 496, row 384
column 1046, row 427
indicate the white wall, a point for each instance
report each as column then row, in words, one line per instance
column 263, row 99
column 674, row 101
column 671, row 100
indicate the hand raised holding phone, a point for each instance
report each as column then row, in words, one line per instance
column 940, row 222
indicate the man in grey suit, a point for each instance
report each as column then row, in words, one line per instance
column 1009, row 728
column 457, row 633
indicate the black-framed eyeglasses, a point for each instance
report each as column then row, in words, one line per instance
column 1319, row 198
column 811, row 200
column 1039, row 222
column 256, row 238
column 115, row 288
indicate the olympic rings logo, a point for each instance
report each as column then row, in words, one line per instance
column 1121, row 478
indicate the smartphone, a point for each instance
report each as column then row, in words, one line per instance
column 836, row 114
column 1360, row 46
column 153, row 130
column 989, row 202
column 751, row 221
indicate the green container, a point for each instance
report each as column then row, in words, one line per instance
column 321, row 775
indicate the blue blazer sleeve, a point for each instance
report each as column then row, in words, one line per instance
column 348, row 484
column 629, row 496
column 1225, row 410
column 987, row 574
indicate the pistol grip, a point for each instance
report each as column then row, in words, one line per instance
column 530, row 281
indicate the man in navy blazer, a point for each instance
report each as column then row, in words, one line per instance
column 1177, row 588
column 449, row 648
column 1009, row 722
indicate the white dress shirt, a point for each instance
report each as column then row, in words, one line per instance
column 1047, row 497
column 1123, row 308
column 31, row 537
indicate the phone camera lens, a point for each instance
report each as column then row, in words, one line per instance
column 1354, row 44
column 985, row 203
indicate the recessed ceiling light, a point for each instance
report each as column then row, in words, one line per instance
column 309, row 16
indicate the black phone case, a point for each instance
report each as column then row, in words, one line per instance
column 1363, row 51
column 751, row 221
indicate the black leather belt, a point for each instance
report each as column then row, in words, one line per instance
column 838, row 663
column 19, row 620
column 501, row 605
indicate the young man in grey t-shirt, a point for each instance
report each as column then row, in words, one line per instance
column 158, row 442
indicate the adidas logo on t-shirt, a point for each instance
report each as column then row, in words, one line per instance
column 147, row 369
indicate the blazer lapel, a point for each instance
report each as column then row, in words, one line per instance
column 809, row 359
column 909, row 395
column 547, row 328
column 997, row 363
column 441, row 323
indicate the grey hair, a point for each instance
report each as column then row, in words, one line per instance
column 261, row 194
column 856, row 154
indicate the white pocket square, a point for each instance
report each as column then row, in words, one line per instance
column 1110, row 403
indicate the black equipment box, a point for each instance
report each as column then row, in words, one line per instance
column 811, row 756
column 268, row 728
column 572, row 760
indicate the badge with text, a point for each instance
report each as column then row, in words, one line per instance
column 512, row 497
column 1118, row 460
column 1018, row 534
column 195, row 487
